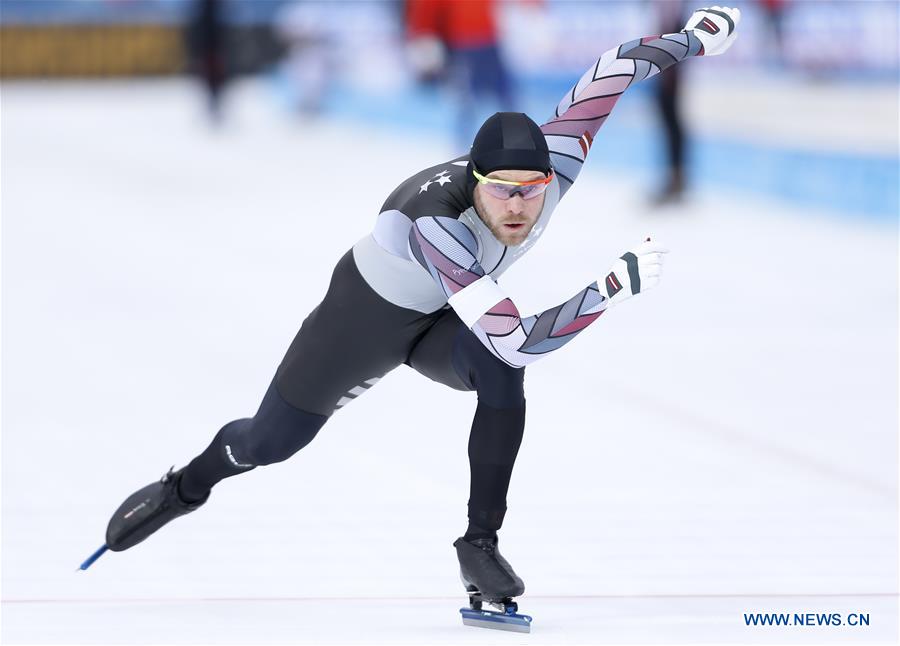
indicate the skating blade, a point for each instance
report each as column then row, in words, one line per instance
column 93, row 557
column 496, row 620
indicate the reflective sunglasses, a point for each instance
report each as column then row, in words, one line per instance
column 504, row 189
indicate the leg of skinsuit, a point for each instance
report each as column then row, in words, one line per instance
column 450, row 354
column 352, row 339
column 345, row 345
column 275, row 433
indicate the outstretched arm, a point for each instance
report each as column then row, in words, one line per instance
column 584, row 109
column 447, row 250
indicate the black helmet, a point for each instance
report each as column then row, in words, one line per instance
column 510, row 140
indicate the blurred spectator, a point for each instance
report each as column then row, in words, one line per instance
column 306, row 29
column 774, row 10
column 206, row 49
column 671, row 18
column 457, row 42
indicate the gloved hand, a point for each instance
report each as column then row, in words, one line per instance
column 636, row 271
column 714, row 27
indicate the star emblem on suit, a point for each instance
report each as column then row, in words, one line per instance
column 439, row 178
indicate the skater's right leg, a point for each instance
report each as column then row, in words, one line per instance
column 352, row 339
column 275, row 433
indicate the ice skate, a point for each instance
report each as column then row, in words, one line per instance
column 142, row 513
column 489, row 578
column 146, row 510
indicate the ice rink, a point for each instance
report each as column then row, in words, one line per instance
column 725, row 444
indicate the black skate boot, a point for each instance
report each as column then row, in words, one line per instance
column 489, row 578
column 146, row 510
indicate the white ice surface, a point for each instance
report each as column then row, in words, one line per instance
column 724, row 444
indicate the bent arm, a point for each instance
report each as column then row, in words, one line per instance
column 447, row 250
column 584, row 109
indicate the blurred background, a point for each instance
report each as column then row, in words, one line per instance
column 177, row 179
column 815, row 81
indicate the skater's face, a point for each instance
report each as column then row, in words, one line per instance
column 510, row 219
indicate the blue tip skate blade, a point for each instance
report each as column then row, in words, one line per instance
column 496, row 620
column 93, row 557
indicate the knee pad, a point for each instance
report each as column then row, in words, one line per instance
column 275, row 433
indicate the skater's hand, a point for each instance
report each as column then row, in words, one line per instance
column 635, row 271
column 714, row 27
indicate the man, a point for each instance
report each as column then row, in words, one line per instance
column 421, row 290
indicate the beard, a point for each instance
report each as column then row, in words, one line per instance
column 510, row 237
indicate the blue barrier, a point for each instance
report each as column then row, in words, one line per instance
column 852, row 185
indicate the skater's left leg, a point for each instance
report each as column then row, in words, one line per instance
column 452, row 355
column 497, row 429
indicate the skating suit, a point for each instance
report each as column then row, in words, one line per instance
column 421, row 290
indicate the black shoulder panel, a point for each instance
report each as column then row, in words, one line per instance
column 439, row 190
